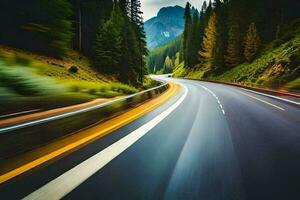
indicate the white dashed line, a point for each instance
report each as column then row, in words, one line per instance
column 216, row 97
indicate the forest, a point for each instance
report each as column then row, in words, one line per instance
column 110, row 34
column 238, row 40
column 228, row 32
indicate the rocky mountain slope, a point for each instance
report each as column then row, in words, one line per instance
column 166, row 26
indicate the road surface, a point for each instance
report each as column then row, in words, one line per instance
column 210, row 141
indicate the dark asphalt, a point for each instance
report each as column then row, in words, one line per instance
column 197, row 152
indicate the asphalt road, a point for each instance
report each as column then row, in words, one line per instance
column 210, row 142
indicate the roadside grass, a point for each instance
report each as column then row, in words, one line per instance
column 294, row 85
column 275, row 67
column 149, row 83
column 180, row 71
column 55, row 68
column 29, row 81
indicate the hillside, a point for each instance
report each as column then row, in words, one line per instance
column 31, row 81
column 235, row 41
column 277, row 66
column 58, row 53
column 157, row 57
column 167, row 25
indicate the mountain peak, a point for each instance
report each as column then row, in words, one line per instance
column 170, row 10
column 167, row 25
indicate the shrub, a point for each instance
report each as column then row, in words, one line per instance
column 73, row 69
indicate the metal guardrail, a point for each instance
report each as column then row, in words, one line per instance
column 47, row 119
column 25, row 136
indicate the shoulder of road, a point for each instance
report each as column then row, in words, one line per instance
column 63, row 146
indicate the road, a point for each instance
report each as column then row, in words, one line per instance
column 210, row 141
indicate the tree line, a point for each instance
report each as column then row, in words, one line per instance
column 229, row 32
column 109, row 32
column 164, row 59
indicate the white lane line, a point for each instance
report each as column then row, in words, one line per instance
column 216, row 97
column 19, row 113
column 275, row 106
column 275, row 97
column 65, row 183
column 223, row 111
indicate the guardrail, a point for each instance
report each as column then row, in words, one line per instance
column 25, row 136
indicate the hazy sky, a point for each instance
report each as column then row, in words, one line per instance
column 151, row 7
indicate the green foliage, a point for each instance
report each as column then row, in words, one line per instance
column 157, row 56
column 108, row 47
column 252, row 43
column 180, row 71
column 25, row 81
column 209, row 47
column 45, row 26
column 233, row 55
column 293, row 85
column 88, row 16
column 121, row 45
column 187, row 33
column 73, row 69
column 274, row 67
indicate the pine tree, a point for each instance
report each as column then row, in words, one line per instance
column 88, row 16
column 137, row 20
column 205, row 14
column 41, row 26
column 187, row 33
column 233, row 55
column 252, row 43
column 209, row 45
column 194, row 40
column 221, row 9
column 108, row 43
column 177, row 59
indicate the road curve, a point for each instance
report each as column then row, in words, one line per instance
column 210, row 141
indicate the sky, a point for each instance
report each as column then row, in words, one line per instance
column 151, row 7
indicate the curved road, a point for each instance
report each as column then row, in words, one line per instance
column 210, row 141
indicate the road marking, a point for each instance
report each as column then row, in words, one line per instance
column 105, row 128
column 275, row 97
column 278, row 107
column 19, row 113
column 215, row 96
column 65, row 183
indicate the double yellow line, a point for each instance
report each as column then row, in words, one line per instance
column 82, row 138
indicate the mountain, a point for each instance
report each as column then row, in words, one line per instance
column 166, row 26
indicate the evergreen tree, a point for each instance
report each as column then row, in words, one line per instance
column 194, row 40
column 187, row 33
column 45, row 26
column 233, row 55
column 209, row 50
column 88, row 16
column 108, row 44
column 137, row 20
column 222, row 33
column 168, row 66
column 252, row 43
column 177, row 59
column 205, row 14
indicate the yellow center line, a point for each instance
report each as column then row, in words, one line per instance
column 109, row 126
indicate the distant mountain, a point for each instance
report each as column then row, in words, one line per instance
column 166, row 26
